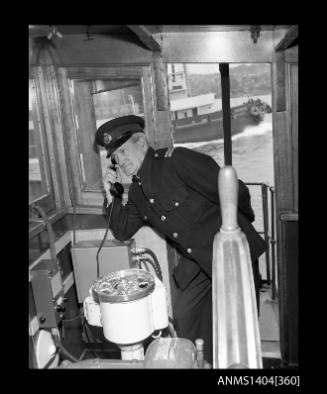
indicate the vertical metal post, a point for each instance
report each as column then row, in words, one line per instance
column 264, row 188
column 225, row 97
column 273, row 243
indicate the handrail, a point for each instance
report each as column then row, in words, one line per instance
column 268, row 231
column 236, row 336
column 264, row 195
column 273, row 242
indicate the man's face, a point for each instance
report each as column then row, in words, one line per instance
column 129, row 157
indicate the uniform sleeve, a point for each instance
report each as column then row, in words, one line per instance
column 200, row 172
column 125, row 220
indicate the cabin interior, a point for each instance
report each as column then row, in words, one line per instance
column 68, row 66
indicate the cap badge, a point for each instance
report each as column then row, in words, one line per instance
column 107, row 138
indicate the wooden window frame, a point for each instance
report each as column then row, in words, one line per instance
column 86, row 200
column 47, row 202
column 49, row 107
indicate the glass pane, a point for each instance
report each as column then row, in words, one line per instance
column 112, row 101
column 37, row 180
column 196, row 112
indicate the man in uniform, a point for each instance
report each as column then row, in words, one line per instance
column 176, row 193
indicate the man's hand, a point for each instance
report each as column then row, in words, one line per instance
column 109, row 178
column 169, row 151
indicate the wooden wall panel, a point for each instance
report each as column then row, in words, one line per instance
column 162, row 113
column 283, row 162
column 294, row 109
column 160, row 81
column 164, row 129
column 285, row 128
column 49, row 100
column 75, row 50
column 90, row 163
column 289, row 289
column 279, row 81
column 70, row 139
column 149, row 108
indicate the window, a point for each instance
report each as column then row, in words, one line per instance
column 39, row 179
column 96, row 102
column 97, row 95
column 109, row 104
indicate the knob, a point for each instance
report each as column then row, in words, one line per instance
column 42, row 319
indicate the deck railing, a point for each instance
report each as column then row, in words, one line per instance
column 268, row 232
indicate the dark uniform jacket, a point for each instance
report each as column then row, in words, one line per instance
column 178, row 197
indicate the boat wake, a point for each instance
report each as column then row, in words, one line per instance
column 249, row 131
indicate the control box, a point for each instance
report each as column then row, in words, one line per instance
column 48, row 293
column 114, row 256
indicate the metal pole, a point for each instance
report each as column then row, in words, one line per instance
column 225, row 97
column 273, row 242
column 264, row 188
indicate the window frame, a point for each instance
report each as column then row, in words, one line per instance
column 87, row 200
column 48, row 96
column 47, row 201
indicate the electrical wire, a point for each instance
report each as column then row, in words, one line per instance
column 61, row 347
column 142, row 262
column 152, row 254
column 156, row 267
column 104, row 238
column 66, row 353
column 71, row 319
column 154, row 263
column 85, row 329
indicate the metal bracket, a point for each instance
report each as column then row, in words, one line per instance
column 255, row 32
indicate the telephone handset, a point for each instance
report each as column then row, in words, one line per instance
column 116, row 189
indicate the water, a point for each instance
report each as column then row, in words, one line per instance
column 252, row 150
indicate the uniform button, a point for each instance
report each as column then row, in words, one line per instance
column 175, row 235
column 163, row 218
column 176, row 204
column 156, row 155
column 189, row 250
column 145, row 217
column 151, row 200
